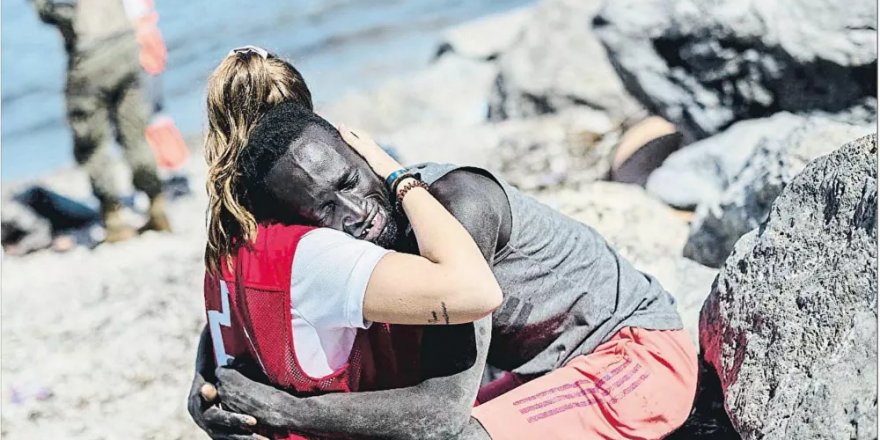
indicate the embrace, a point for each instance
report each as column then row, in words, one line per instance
column 348, row 296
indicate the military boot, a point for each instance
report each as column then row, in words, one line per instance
column 158, row 220
column 115, row 227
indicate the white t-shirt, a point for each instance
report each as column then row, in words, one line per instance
column 330, row 273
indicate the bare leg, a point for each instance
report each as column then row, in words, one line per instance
column 129, row 115
column 88, row 118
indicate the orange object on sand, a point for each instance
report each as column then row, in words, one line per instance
column 167, row 143
column 639, row 384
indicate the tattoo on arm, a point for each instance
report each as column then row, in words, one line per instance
column 434, row 318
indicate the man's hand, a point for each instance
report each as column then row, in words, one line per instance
column 271, row 407
column 439, row 407
column 219, row 424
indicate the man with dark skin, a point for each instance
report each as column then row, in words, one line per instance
column 566, row 294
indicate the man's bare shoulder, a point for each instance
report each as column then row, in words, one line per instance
column 479, row 202
column 470, row 187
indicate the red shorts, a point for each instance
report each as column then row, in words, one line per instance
column 640, row 384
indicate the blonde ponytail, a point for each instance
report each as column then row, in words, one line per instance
column 240, row 90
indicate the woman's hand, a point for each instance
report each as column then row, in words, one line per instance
column 380, row 161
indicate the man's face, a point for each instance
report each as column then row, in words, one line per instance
column 323, row 181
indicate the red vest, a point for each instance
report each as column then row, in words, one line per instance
column 249, row 317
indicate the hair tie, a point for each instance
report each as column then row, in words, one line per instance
column 248, row 49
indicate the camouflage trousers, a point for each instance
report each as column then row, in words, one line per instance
column 104, row 96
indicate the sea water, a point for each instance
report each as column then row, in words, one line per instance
column 340, row 46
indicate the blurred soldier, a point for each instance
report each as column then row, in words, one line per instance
column 103, row 89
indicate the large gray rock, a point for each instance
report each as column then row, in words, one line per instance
column 791, row 323
column 745, row 203
column 556, row 63
column 704, row 64
column 700, row 172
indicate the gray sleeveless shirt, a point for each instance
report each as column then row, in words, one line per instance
column 566, row 290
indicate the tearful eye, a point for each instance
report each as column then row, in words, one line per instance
column 351, row 182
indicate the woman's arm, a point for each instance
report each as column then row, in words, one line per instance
column 450, row 283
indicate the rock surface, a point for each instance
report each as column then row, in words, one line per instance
column 557, row 63
column 704, row 64
column 791, row 324
column 745, row 203
column 485, row 38
column 565, row 149
column 542, row 152
column 453, row 91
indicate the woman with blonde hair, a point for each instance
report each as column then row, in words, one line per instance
column 242, row 88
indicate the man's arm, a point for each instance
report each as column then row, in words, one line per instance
column 202, row 405
column 438, row 407
column 479, row 203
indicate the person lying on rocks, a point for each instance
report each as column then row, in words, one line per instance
column 591, row 347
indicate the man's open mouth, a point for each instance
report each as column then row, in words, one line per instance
column 374, row 227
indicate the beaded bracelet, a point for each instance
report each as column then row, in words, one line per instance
column 410, row 185
column 401, row 178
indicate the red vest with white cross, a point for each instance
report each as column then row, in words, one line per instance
column 249, row 316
